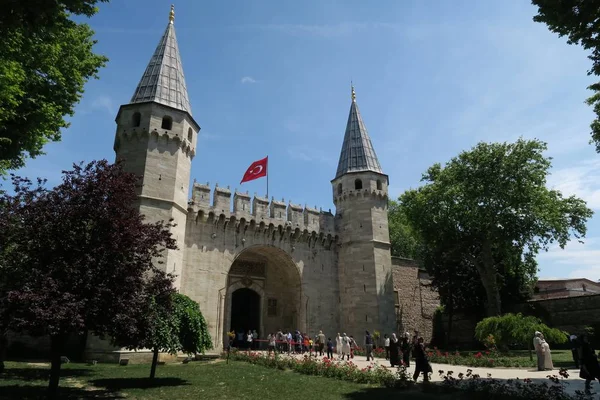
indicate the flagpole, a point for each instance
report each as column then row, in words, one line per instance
column 267, row 178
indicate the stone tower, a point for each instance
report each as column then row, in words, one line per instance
column 156, row 138
column 360, row 194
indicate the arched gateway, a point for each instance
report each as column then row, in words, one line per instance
column 263, row 293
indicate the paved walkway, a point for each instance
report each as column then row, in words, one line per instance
column 574, row 382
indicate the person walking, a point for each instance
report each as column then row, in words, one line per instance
column 548, row 365
column 272, row 342
column 539, row 351
column 369, row 346
column 421, row 361
column 386, row 345
column 345, row 346
column 321, row 343
column 394, row 348
column 405, row 349
column 338, row 345
column 590, row 370
column 329, row 349
column 575, row 349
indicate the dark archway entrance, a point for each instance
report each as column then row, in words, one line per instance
column 245, row 310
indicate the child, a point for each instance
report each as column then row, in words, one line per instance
column 310, row 347
column 329, row 349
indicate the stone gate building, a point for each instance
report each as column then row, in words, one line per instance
column 255, row 263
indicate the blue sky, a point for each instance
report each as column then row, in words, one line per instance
column 273, row 78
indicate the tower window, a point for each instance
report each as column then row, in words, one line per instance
column 272, row 307
column 190, row 134
column 167, row 123
column 379, row 187
column 136, row 119
column 339, row 188
column 358, row 184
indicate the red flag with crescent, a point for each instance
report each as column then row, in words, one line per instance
column 256, row 170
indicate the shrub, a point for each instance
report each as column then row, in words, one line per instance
column 348, row 371
column 511, row 329
column 515, row 389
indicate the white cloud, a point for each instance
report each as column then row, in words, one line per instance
column 248, row 79
column 579, row 260
column 104, row 102
column 581, row 180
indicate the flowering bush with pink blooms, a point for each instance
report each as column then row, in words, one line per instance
column 486, row 388
column 348, row 371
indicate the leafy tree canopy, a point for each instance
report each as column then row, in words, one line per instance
column 169, row 322
column 488, row 210
column 403, row 239
column 76, row 258
column 45, row 60
column 579, row 21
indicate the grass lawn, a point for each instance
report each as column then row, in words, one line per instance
column 560, row 358
column 196, row 380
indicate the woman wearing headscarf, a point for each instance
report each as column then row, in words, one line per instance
column 539, row 351
column 405, row 349
column 548, row 365
column 338, row 346
column 345, row 346
column 394, row 348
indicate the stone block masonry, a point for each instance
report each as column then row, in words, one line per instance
column 415, row 301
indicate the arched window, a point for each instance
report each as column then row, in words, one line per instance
column 339, row 188
column 358, row 184
column 136, row 119
column 379, row 187
column 190, row 134
column 167, row 123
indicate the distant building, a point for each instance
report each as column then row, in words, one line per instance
column 559, row 288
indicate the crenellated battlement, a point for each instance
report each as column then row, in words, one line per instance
column 344, row 195
column 160, row 140
column 259, row 210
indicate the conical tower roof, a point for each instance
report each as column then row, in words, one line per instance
column 163, row 81
column 357, row 150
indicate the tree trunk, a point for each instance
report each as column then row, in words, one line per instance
column 56, row 347
column 3, row 345
column 154, row 363
column 450, row 316
column 530, row 352
column 487, row 273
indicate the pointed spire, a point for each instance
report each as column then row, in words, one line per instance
column 357, row 150
column 164, row 81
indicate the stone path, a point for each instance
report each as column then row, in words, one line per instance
column 574, row 382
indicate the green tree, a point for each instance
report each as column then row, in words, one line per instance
column 77, row 258
column 403, row 239
column 170, row 323
column 511, row 329
column 45, row 60
column 489, row 209
column 579, row 21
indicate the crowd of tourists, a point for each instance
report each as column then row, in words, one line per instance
column 397, row 351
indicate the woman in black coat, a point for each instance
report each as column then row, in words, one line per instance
column 590, row 370
column 405, row 348
column 394, row 350
column 421, row 361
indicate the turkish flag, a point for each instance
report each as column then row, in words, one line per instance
column 258, row 169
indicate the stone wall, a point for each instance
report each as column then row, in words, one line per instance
column 415, row 302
